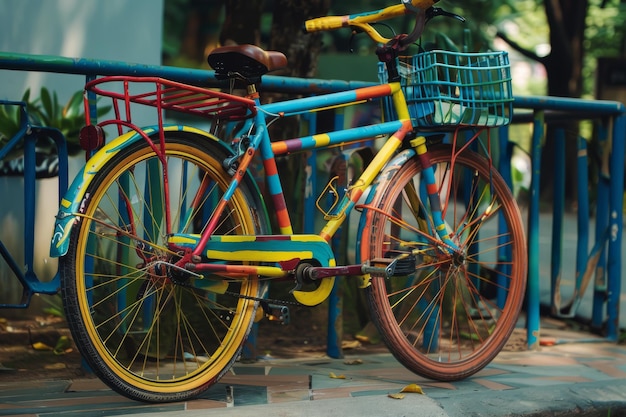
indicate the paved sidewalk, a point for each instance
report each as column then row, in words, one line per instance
column 577, row 375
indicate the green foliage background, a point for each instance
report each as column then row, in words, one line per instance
column 523, row 20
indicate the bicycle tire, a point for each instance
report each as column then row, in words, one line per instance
column 414, row 311
column 148, row 331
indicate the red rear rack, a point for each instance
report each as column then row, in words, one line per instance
column 170, row 95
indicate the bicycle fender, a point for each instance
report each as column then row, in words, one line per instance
column 385, row 176
column 396, row 163
column 73, row 203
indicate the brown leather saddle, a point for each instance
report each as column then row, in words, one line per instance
column 245, row 62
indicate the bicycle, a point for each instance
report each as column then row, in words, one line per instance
column 165, row 240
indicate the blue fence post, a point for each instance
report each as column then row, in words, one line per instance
column 505, row 155
column 582, row 244
column 335, row 300
column 558, row 209
column 614, row 265
column 602, row 224
column 532, row 291
column 29, row 205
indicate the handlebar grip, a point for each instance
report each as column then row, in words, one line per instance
column 326, row 23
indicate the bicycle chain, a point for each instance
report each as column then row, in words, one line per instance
column 246, row 297
column 263, row 300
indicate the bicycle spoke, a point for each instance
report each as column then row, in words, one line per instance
column 143, row 323
column 449, row 317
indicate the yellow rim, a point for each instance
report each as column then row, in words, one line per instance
column 232, row 340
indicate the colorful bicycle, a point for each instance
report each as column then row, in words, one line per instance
column 166, row 245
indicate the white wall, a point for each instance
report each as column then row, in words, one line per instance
column 119, row 30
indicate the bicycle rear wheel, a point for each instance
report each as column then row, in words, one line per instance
column 150, row 331
column 448, row 312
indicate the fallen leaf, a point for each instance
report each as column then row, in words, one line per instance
column 41, row 346
column 63, row 345
column 350, row 344
column 413, row 388
column 396, row 396
column 332, row 375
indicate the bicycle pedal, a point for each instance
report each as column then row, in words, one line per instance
column 405, row 266
column 276, row 313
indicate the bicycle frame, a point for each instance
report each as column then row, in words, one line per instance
column 286, row 250
column 283, row 250
column 268, row 151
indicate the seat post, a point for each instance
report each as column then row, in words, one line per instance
column 252, row 91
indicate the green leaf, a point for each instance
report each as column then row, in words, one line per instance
column 9, row 120
column 46, row 102
column 4, row 116
column 74, row 107
column 57, row 114
column 47, row 111
column 26, row 96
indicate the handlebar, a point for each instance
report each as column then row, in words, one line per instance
column 363, row 21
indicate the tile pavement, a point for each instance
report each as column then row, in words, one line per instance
column 574, row 375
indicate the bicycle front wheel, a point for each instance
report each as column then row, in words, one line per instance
column 151, row 331
column 447, row 311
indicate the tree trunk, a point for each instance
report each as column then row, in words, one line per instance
column 287, row 35
column 242, row 24
column 564, row 64
column 200, row 30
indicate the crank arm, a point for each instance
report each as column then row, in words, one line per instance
column 385, row 267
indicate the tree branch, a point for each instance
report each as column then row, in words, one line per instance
column 517, row 47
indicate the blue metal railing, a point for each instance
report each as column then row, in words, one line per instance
column 92, row 68
column 26, row 139
column 610, row 117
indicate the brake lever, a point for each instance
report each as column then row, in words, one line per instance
column 438, row 11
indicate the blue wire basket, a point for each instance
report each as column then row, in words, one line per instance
column 452, row 89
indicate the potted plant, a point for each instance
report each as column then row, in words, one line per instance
column 44, row 111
